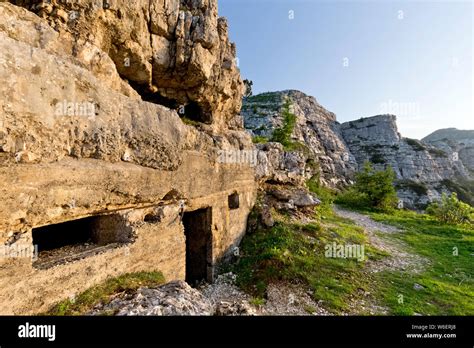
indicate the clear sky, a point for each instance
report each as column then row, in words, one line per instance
column 363, row 58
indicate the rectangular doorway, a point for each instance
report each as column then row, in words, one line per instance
column 197, row 229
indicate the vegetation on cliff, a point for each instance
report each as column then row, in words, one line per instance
column 282, row 135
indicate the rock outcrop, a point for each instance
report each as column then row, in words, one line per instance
column 423, row 171
column 458, row 143
column 173, row 52
column 177, row 298
column 319, row 147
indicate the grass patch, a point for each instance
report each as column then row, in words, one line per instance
column 325, row 195
column 290, row 251
column 268, row 97
column 448, row 284
column 190, row 122
column 437, row 152
column 102, row 293
column 257, row 301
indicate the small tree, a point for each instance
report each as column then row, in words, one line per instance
column 451, row 210
column 248, row 88
column 377, row 186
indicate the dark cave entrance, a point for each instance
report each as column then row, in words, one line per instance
column 194, row 112
column 197, row 229
column 154, row 97
column 190, row 111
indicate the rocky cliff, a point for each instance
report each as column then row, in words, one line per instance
column 176, row 52
column 425, row 169
column 316, row 142
column 460, row 143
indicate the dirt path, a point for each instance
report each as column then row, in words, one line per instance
column 381, row 236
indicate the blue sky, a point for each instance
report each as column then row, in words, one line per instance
column 363, row 58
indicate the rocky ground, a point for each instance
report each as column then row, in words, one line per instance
column 222, row 298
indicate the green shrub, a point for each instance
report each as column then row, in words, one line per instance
column 103, row 293
column 415, row 144
column 353, row 198
column 377, row 158
column 451, row 210
column 373, row 189
column 437, row 152
column 463, row 188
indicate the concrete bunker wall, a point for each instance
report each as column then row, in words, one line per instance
column 142, row 237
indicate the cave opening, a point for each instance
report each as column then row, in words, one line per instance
column 197, row 229
column 154, row 97
column 191, row 111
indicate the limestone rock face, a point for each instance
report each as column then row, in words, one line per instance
column 176, row 52
column 276, row 164
column 323, row 151
column 54, row 108
column 458, row 143
column 422, row 170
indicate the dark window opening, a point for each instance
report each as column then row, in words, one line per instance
column 73, row 240
column 197, row 229
column 234, row 201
